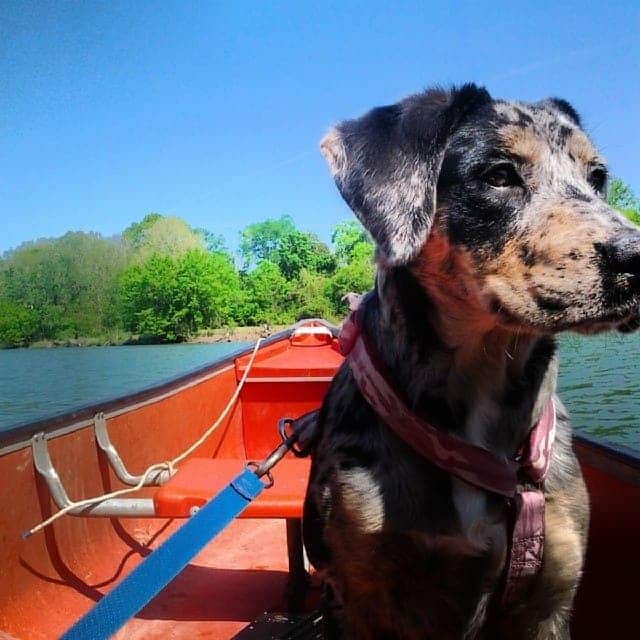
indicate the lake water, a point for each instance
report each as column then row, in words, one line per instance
column 599, row 379
column 35, row 383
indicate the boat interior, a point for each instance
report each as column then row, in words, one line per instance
column 252, row 578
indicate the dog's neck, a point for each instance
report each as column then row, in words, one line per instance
column 478, row 380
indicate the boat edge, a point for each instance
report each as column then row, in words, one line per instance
column 19, row 436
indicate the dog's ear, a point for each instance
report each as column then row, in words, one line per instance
column 386, row 165
column 558, row 104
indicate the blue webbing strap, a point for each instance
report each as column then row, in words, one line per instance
column 166, row 562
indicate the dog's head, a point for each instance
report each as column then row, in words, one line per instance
column 498, row 205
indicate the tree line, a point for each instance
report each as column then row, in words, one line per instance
column 163, row 281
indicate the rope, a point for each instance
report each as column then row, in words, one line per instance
column 167, row 465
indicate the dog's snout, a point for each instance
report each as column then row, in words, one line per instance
column 621, row 254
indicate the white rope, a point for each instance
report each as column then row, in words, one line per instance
column 168, row 465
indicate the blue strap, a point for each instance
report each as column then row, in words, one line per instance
column 166, row 562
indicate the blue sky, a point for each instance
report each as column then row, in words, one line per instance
column 212, row 111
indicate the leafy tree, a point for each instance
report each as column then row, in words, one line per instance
column 621, row 197
column 345, row 237
column 308, row 298
column 168, row 236
column 266, row 295
column 208, row 287
column 17, row 324
column 66, row 282
column 357, row 276
column 213, row 242
column 322, row 260
column 278, row 241
column 262, row 240
column 173, row 297
column 135, row 233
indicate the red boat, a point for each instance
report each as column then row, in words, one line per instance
column 256, row 564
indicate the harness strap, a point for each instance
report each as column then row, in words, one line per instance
column 527, row 545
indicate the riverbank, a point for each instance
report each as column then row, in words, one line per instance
column 118, row 339
column 236, row 334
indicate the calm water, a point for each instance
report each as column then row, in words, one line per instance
column 599, row 379
column 40, row 382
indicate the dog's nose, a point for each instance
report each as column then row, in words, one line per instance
column 622, row 254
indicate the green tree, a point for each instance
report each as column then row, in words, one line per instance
column 172, row 297
column 266, row 293
column 208, row 289
column 308, row 297
column 278, row 241
column 345, row 237
column 135, row 233
column 168, row 236
column 67, row 282
column 213, row 242
column 261, row 240
column 357, row 276
column 621, row 197
column 17, row 324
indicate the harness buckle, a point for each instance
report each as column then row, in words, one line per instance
column 289, row 436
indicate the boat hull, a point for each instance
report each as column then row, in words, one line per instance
column 53, row 577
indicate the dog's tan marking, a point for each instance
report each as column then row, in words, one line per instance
column 446, row 273
column 579, row 146
column 523, row 142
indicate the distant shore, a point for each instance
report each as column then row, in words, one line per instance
column 236, row 334
column 209, row 336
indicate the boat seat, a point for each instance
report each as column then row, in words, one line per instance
column 197, row 480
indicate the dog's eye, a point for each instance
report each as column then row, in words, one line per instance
column 598, row 179
column 501, row 176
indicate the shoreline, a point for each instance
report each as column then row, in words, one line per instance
column 209, row 336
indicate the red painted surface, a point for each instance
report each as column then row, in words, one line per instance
column 269, row 393
column 608, row 595
column 51, row 579
column 199, row 479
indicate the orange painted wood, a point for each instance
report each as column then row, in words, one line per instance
column 309, row 355
column 199, row 479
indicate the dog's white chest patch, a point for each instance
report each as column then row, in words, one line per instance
column 362, row 498
column 470, row 502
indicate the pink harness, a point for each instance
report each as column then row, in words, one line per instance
column 475, row 465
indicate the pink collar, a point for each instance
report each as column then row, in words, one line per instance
column 470, row 463
column 473, row 464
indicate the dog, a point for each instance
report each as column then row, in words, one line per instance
column 492, row 235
